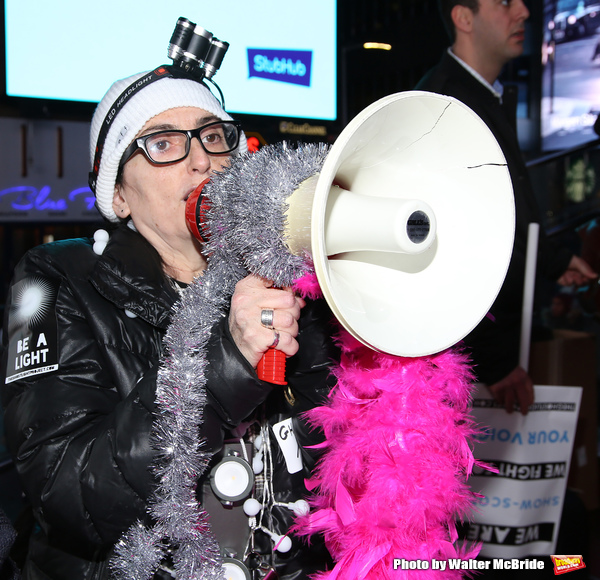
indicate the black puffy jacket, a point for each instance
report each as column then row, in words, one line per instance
column 83, row 341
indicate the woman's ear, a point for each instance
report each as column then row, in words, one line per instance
column 120, row 205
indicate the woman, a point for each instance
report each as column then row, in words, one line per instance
column 84, row 344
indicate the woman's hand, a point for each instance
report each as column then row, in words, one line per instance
column 253, row 295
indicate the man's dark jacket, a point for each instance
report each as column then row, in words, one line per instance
column 495, row 341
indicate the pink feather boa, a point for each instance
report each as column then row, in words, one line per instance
column 392, row 480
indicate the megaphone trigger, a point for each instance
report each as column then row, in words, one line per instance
column 271, row 367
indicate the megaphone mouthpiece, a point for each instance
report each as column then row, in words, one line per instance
column 357, row 223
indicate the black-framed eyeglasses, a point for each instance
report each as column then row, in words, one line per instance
column 170, row 146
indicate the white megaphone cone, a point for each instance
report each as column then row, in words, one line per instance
column 408, row 220
column 422, row 146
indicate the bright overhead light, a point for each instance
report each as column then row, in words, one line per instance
column 377, row 45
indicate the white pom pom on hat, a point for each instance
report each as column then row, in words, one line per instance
column 153, row 99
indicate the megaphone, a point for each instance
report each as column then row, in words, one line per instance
column 409, row 221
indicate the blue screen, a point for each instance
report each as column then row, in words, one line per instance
column 281, row 60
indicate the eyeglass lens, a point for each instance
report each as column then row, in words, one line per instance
column 168, row 146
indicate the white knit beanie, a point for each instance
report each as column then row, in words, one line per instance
column 155, row 98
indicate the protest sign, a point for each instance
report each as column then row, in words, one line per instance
column 519, row 512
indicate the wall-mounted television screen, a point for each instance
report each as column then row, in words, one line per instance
column 281, row 60
column 571, row 73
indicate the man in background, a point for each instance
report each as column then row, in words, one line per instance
column 487, row 34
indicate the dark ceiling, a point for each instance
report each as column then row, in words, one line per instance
column 412, row 27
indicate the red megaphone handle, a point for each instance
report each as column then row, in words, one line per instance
column 271, row 367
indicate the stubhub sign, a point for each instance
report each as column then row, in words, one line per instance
column 286, row 66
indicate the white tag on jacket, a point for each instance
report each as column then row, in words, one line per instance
column 284, row 434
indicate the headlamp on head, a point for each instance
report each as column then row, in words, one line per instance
column 197, row 56
column 195, row 50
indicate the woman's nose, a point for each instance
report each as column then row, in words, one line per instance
column 199, row 159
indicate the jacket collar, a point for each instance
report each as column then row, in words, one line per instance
column 496, row 89
column 129, row 274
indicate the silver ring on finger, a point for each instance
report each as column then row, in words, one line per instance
column 275, row 339
column 266, row 317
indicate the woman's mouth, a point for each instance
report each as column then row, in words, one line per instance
column 187, row 196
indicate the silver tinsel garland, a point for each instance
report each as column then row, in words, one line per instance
column 249, row 202
column 246, row 222
column 181, row 529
